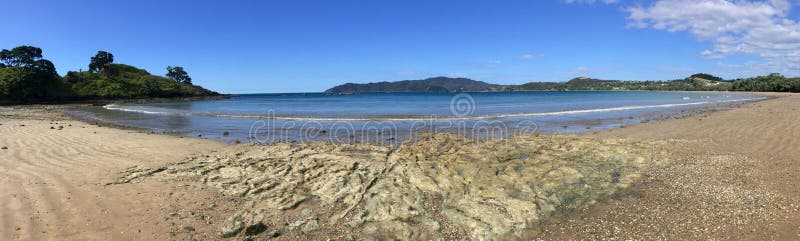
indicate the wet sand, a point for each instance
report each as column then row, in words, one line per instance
column 732, row 173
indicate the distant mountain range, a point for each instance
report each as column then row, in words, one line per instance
column 437, row 84
column 445, row 84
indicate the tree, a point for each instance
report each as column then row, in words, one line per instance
column 178, row 75
column 39, row 81
column 44, row 66
column 100, row 61
column 20, row 56
column 25, row 75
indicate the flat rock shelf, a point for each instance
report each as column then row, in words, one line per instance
column 441, row 187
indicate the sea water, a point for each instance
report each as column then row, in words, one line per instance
column 397, row 117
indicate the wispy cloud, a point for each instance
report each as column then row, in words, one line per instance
column 757, row 28
column 529, row 56
column 526, row 57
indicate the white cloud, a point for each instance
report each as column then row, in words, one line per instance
column 757, row 28
column 590, row 1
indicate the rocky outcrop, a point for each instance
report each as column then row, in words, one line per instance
column 441, row 187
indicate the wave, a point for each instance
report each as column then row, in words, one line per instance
column 432, row 117
column 128, row 109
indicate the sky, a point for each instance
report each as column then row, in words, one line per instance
column 309, row 46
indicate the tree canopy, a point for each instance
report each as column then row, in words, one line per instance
column 20, row 56
column 178, row 75
column 100, row 61
column 24, row 74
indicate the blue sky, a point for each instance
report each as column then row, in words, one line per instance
column 307, row 46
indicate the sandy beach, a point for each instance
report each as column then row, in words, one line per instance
column 53, row 172
column 729, row 174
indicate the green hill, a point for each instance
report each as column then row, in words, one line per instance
column 698, row 82
column 125, row 81
column 437, row 84
column 26, row 77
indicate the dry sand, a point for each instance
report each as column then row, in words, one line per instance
column 733, row 174
column 737, row 179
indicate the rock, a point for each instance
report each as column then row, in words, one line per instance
column 306, row 222
column 310, row 226
column 440, row 187
column 255, row 229
column 4, row 148
column 233, row 225
column 273, row 234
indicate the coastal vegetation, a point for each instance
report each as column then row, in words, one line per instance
column 26, row 77
column 696, row 82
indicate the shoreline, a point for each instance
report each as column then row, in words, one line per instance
column 191, row 197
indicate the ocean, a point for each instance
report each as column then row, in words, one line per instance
column 397, row 117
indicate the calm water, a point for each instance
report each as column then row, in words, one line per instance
column 396, row 116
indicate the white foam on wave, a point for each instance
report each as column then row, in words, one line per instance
column 131, row 109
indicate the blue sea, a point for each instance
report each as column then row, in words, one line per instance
column 397, row 117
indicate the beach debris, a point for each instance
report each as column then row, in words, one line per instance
column 442, row 186
column 4, row 148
